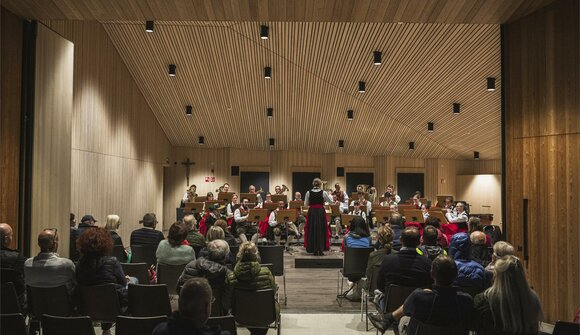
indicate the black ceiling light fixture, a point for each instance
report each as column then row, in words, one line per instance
column 490, row 84
column 476, row 155
column 267, row 72
column 361, row 86
column 456, row 108
column 350, row 114
column 149, row 26
column 272, row 142
column 201, row 140
column 188, row 110
column 264, row 30
column 377, row 58
column 270, row 112
column 430, row 127
column 341, row 143
column 172, row 70
column 411, row 145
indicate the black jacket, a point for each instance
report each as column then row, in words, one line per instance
column 13, row 259
column 176, row 325
column 104, row 270
column 405, row 268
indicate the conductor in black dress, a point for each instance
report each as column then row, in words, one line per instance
column 316, row 231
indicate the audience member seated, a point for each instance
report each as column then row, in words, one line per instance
column 147, row 235
column 509, row 306
column 396, row 222
column 113, row 223
column 12, row 259
column 407, row 267
column 357, row 237
column 173, row 251
column 194, row 308
column 441, row 306
column 479, row 249
column 216, row 233
column 458, row 216
column 470, row 273
column 501, row 249
column 474, row 224
column 96, row 267
column 442, row 239
column 228, row 236
column 430, row 246
column 72, row 246
column 385, row 243
column 47, row 269
column 195, row 239
column 87, row 222
column 213, row 268
column 248, row 274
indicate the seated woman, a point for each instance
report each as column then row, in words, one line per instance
column 229, row 237
column 359, row 235
column 96, row 267
column 248, row 274
column 173, row 251
column 385, row 237
column 216, row 233
column 112, row 224
column 509, row 306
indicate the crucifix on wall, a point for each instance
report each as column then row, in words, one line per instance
column 187, row 163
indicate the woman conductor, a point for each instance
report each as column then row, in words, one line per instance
column 316, row 231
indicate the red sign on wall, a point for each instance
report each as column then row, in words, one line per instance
column 210, row 179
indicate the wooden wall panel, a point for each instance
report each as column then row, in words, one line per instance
column 11, row 64
column 118, row 147
column 542, row 75
column 483, row 192
column 51, row 153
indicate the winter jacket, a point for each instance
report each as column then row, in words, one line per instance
column 433, row 251
column 353, row 240
column 168, row 254
column 103, row 270
column 247, row 275
column 481, row 254
column 469, row 272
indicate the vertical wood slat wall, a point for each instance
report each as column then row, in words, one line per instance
column 543, row 148
column 118, row 147
column 51, row 155
column 11, row 59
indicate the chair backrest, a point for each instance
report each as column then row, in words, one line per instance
column 234, row 251
column 273, row 254
column 168, row 275
column 417, row 327
column 137, row 270
column 12, row 324
column 54, row 301
column 270, row 266
column 225, row 322
column 9, row 300
column 395, row 296
column 58, row 325
column 374, row 282
column 100, row 302
column 355, row 261
column 130, row 325
column 119, row 253
column 144, row 254
column 566, row 328
column 148, row 300
column 254, row 307
column 12, row 276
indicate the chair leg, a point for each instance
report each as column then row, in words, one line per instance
column 285, row 295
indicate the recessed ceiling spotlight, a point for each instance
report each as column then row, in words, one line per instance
column 264, row 30
column 267, row 72
column 149, row 26
column 377, row 58
column 172, row 70
column 361, row 86
column 490, row 84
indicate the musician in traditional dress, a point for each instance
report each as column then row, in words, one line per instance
column 357, row 210
column 189, row 195
column 388, row 200
column 231, row 207
column 341, row 197
column 278, row 190
column 363, row 203
column 209, row 196
column 391, row 190
column 225, row 188
column 449, row 204
column 297, row 196
column 252, row 190
column 276, row 228
column 300, row 219
column 425, row 210
column 317, row 231
column 244, row 228
column 457, row 215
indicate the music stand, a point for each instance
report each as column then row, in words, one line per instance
column 257, row 215
column 270, row 206
column 345, row 219
column 193, row 207
column 335, row 209
column 279, row 197
column 226, row 196
column 404, row 208
column 414, row 215
column 200, row 199
column 252, row 197
column 441, row 200
column 383, row 215
column 296, row 204
column 439, row 215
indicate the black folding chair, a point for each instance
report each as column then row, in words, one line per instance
column 148, row 300
column 9, row 300
column 130, row 325
column 137, row 270
column 256, row 309
column 14, row 277
column 100, row 302
column 416, row 327
column 144, row 254
column 58, row 325
column 54, row 301
column 274, row 255
column 119, row 253
column 13, row 324
column 168, row 275
column 354, row 267
column 566, row 328
column 395, row 297
column 224, row 322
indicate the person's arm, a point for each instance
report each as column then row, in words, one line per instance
column 369, row 207
column 229, row 212
column 307, row 199
column 272, row 219
column 327, row 198
column 363, row 215
column 119, row 274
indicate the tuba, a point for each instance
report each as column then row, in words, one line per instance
column 284, row 188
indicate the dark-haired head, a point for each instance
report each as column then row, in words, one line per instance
column 396, row 220
column 359, row 226
column 443, row 270
column 195, row 301
column 95, row 243
column 410, row 237
column 430, row 235
column 177, row 234
column 433, row 221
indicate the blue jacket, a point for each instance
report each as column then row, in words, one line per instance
column 354, row 241
column 469, row 272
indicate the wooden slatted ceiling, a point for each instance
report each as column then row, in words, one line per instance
column 414, row 11
column 315, row 71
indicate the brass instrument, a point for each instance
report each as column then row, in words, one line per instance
column 261, row 190
column 285, row 188
column 324, row 183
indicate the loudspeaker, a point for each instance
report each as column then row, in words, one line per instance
column 235, row 170
column 340, row 171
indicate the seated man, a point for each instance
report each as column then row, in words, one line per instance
column 356, row 210
column 243, row 228
column 441, row 306
column 12, row 259
column 47, row 269
column 479, row 249
column 195, row 239
column 147, row 235
column 457, row 216
column 396, row 222
column 471, row 275
column 213, row 268
column 430, row 243
column 194, row 308
column 277, row 228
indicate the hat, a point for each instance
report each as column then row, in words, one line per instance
column 149, row 218
column 87, row 218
